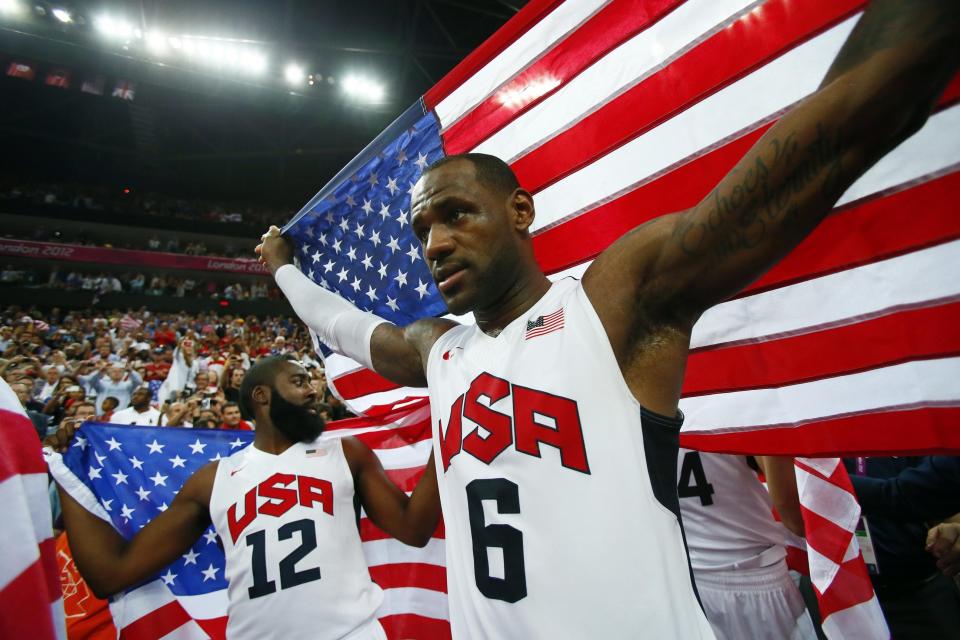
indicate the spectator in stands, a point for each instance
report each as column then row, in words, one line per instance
column 898, row 497
column 230, row 382
column 40, row 421
column 176, row 414
column 48, row 386
column 84, row 410
column 113, row 380
column 232, row 418
column 107, row 408
column 139, row 412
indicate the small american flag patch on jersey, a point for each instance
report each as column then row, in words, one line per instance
column 545, row 324
column 315, row 453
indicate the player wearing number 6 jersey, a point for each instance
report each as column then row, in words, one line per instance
column 284, row 511
column 555, row 418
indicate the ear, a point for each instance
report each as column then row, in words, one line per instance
column 521, row 204
column 261, row 394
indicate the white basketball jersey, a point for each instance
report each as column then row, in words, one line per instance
column 558, row 489
column 727, row 513
column 294, row 562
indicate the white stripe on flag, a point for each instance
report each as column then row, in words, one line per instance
column 828, row 500
column 405, row 457
column 391, row 551
column 834, row 299
column 625, row 66
column 864, row 621
column 910, row 384
column 932, row 150
column 205, row 606
column 524, row 50
column 17, row 537
column 742, row 105
column 421, row 602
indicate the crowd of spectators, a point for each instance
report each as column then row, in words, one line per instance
column 137, row 283
column 125, row 200
column 138, row 367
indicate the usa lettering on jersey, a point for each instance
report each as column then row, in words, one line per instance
column 538, row 418
column 279, row 497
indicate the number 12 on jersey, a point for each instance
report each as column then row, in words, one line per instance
column 512, row 587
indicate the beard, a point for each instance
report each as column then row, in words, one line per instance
column 295, row 422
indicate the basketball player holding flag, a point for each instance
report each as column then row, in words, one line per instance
column 284, row 510
column 555, row 416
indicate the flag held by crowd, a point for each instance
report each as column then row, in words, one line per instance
column 127, row 475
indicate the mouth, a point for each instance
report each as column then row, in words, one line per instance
column 448, row 277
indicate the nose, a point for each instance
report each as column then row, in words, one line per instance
column 439, row 242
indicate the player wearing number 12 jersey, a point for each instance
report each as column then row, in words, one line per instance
column 548, row 441
column 284, row 511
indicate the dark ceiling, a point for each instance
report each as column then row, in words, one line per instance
column 195, row 132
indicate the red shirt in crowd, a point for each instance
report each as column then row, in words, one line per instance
column 164, row 338
column 156, row 370
column 243, row 425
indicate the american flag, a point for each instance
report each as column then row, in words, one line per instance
column 544, row 324
column 128, row 474
column 30, row 601
column 614, row 112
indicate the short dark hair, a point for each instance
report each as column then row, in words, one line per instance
column 263, row 372
column 491, row 170
column 227, row 405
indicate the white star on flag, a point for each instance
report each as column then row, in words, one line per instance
column 197, row 447
column 168, row 577
column 210, row 573
column 177, row 461
column 190, row 557
column 114, row 445
column 155, row 447
column 159, row 480
column 120, row 477
column 137, row 464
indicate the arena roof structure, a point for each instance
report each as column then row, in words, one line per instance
column 230, row 99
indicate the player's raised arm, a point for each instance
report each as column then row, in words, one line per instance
column 108, row 562
column 410, row 520
column 398, row 354
column 879, row 90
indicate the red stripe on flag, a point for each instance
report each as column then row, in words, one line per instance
column 406, row 479
column 21, row 446
column 23, row 612
column 410, row 574
column 216, row 628
column 506, row 35
column 370, row 532
column 586, row 235
column 396, row 438
column 892, row 339
column 851, row 586
column 360, row 383
column 729, row 54
column 933, row 430
column 409, row 626
column 617, row 22
column 823, row 535
column 876, row 228
column 157, row 623
column 48, row 560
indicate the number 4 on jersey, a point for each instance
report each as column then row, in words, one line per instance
column 692, row 469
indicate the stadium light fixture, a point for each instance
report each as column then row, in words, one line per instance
column 294, row 74
column 156, row 43
column 113, row 28
column 62, row 15
column 363, row 88
column 11, row 7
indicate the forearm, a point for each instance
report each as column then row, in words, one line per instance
column 782, row 484
column 338, row 324
column 422, row 513
column 96, row 546
column 879, row 92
